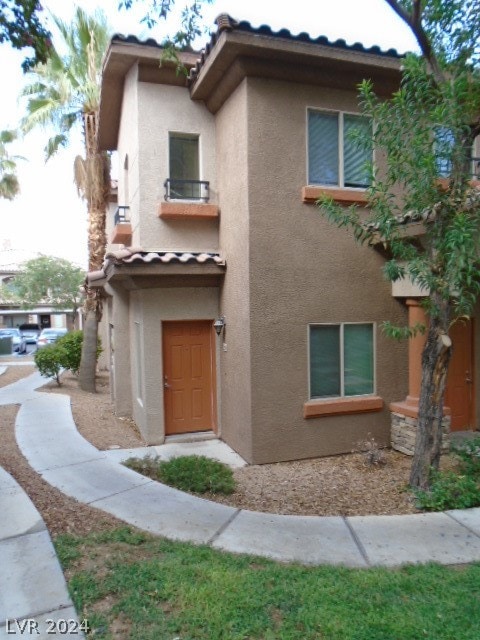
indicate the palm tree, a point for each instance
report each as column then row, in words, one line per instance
column 9, row 185
column 63, row 94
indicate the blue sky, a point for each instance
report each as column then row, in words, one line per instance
column 48, row 217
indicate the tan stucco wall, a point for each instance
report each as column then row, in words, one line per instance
column 164, row 109
column 232, row 154
column 149, row 308
column 117, row 324
column 128, row 144
column 304, row 270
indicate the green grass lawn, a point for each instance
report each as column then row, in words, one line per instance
column 128, row 584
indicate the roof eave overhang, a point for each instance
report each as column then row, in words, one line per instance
column 238, row 54
column 159, row 275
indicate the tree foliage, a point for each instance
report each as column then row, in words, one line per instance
column 21, row 26
column 425, row 133
column 9, row 185
column 65, row 88
column 191, row 19
column 50, row 280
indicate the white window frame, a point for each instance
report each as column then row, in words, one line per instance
column 342, row 359
column 341, row 174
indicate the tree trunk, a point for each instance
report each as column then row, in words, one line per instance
column 435, row 359
column 88, row 363
column 97, row 189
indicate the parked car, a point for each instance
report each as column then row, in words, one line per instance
column 18, row 341
column 30, row 331
column 49, row 336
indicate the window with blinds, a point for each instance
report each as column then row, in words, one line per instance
column 339, row 149
column 341, row 360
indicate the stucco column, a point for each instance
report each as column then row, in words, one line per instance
column 409, row 406
column 416, row 315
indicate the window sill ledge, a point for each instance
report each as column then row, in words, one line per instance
column 122, row 233
column 344, row 196
column 187, row 210
column 342, row 406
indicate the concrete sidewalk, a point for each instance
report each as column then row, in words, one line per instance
column 33, row 592
column 51, row 443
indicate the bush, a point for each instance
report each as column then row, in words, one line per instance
column 70, row 350
column 448, row 490
column 65, row 353
column 48, row 362
column 468, row 453
column 197, row 474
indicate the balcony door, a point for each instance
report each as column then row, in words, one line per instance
column 189, row 376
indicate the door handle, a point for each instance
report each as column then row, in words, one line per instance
column 165, row 383
column 468, row 379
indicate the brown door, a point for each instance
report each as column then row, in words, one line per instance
column 459, row 394
column 189, row 376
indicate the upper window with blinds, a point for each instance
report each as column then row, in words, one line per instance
column 339, row 149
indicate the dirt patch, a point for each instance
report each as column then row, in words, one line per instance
column 15, row 373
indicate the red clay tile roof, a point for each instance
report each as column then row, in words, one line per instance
column 129, row 256
column 138, row 256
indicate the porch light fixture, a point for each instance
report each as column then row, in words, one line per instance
column 219, row 325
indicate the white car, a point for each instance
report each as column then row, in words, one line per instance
column 49, row 336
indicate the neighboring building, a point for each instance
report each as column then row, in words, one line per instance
column 12, row 314
column 217, row 225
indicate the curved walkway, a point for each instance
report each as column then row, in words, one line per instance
column 48, row 438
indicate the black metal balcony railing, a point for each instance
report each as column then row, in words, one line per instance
column 187, row 190
column 121, row 215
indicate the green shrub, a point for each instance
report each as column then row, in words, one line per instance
column 70, row 350
column 468, row 453
column 48, row 362
column 449, row 490
column 197, row 474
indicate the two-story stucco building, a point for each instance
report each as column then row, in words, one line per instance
column 234, row 306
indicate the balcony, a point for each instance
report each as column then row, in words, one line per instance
column 186, row 190
column 122, row 232
column 187, row 199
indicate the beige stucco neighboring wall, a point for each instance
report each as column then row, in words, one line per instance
column 164, row 109
column 128, row 145
column 304, row 270
column 233, row 181
column 148, row 309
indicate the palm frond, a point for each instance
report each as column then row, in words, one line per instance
column 55, row 143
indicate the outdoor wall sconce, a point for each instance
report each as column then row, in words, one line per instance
column 219, row 325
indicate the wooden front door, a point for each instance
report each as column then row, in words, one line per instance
column 459, row 394
column 189, row 376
